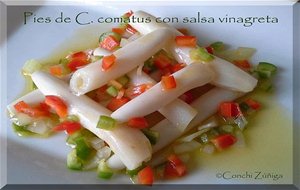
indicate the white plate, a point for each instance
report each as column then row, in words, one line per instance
column 42, row 161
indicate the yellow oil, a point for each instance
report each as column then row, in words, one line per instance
column 267, row 157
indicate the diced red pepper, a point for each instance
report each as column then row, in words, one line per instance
column 79, row 55
column 243, row 64
column 176, row 67
column 101, row 94
column 174, row 167
column 162, row 61
column 189, row 41
column 43, row 106
column 69, row 126
column 188, row 97
column 138, row 123
column 146, row 176
column 74, row 64
column 229, row 109
column 108, row 61
column 57, row 104
column 135, row 91
column 253, row 104
column 109, row 43
column 23, row 107
column 115, row 103
column 183, row 31
column 209, row 49
column 118, row 30
column 168, row 82
column 130, row 29
column 224, row 141
column 56, row 70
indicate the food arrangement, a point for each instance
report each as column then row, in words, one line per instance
column 143, row 100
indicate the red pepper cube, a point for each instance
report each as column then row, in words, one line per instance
column 224, row 141
column 168, row 82
column 138, row 123
column 253, row 104
column 146, row 176
column 209, row 49
column 109, row 43
column 162, row 61
column 57, row 104
column 174, row 167
column 74, row 64
column 243, row 64
column 229, row 109
column 116, row 103
column 189, row 41
column 108, row 61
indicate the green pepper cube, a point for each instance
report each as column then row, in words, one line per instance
column 106, row 122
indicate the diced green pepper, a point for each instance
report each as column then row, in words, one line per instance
column 123, row 80
column 82, row 149
column 265, row 70
column 73, row 162
column 217, row 46
column 22, row 131
column 227, row 128
column 104, row 171
column 96, row 58
column 106, row 122
column 244, row 106
column 201, row 54
column 113, row 91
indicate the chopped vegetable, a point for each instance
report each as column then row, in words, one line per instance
column 162, row 61
column 104, row 171
column 119, row 30
column 106, row 122
column 22, row 131
column 116, row 84
column 266, row 70
column 83, row 151
column 209, row 49
column 229, row 109
column 217, row 46
column 168, row 82
column 57, row 104
column 123, row 80
column 174, row 167
column 133, row 92
column 243, row 64
column 108, row 62
column 56, row 70
column 189, row 41
column 200, row 53
column 73, row 162
column 241, row 122
column 116, row 103
column 69, row 126
column 31, row 66
column 113, row 91
column 253, row 104
column 75, row 64
column 223, row 141
column 138, row 123
column 152, row 135
column 38, row 111
column 208, row 149
column 110, row 42
column 146, row 176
